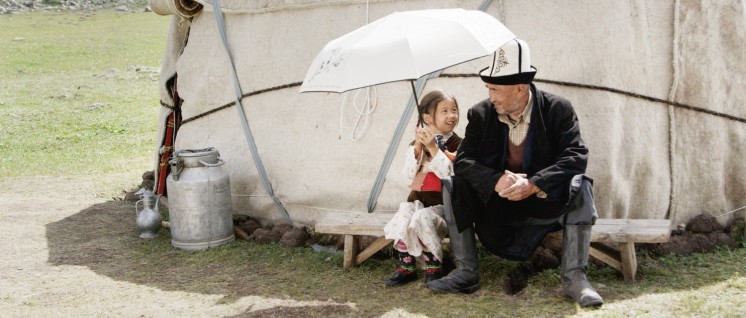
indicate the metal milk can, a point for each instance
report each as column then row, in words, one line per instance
column 148, row 219
column 199, row 198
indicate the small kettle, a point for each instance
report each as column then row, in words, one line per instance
column 148, row 219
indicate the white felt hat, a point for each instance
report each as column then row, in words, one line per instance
column 510, row 65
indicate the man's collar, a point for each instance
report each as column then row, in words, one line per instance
column 529, row 107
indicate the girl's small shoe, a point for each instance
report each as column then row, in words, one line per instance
column 401, row 278
column 405, row 272
column 431, row 275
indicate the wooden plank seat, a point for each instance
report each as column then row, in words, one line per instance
column 623, row 232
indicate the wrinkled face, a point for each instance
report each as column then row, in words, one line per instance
column 445, row 117
column 506, row 99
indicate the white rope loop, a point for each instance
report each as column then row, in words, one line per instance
column 369, row 103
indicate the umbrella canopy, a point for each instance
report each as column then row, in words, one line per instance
column 404, row 46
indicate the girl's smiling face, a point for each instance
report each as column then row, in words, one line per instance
column 445, row 117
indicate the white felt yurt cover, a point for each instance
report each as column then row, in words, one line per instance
column 657, row 86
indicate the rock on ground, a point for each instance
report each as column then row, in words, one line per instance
column 703, row 223
column 296, row 237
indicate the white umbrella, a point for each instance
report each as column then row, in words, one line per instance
column 404, row 46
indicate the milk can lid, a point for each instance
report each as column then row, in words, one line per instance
column 197, row 152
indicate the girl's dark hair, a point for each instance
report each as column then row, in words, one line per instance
column 429, row 103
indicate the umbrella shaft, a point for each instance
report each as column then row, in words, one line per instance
column 416, row 104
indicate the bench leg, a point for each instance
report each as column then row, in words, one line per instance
column 607, row 257
column 625, row 261
column 351, row 248
column 629, row 260
column 374, row 247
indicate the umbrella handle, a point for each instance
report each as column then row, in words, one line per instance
column 417, row 103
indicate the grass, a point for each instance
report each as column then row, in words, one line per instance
column 71, row 99
column 71, row 103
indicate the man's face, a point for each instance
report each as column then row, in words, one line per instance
column 505, row 99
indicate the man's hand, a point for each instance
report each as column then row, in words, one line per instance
column 515, row 186
column 507, row 180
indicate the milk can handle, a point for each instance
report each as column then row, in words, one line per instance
column 219, row 163
column 177, row 165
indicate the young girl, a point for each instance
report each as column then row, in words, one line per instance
column 418, row 226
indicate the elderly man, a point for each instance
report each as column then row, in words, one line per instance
column 518, row 176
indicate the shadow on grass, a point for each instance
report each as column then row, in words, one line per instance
column 104, row 238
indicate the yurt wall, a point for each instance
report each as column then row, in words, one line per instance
column 656, row 86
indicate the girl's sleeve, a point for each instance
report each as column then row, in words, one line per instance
column 441, row 165
column 410, row 164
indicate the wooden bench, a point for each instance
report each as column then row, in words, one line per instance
column 624, row 232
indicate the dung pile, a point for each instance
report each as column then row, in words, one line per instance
column 701, row 234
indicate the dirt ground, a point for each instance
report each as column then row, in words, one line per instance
column 70, row 250
column 61, row 256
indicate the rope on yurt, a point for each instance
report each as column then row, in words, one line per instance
column 244, row 122
column 621, row 92
column 671, row 213
column 456, row 75
column 396, row 139
column 249, row 94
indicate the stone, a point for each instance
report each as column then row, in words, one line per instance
column 720, row 239
column 130, row 196
column 148, row 175
column 544, row 258
column 263, row 235
column 553, row 242
column 704, row 223
column 296, row 237
column 282, row 228
column 737, row 229
column 686, row 244
column 148, row 184
column 249, row 226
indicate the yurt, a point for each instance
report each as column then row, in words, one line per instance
column 658, row 87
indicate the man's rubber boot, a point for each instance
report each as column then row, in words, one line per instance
column 465, row 278
column 575, row 285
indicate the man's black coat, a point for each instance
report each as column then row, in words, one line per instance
column 553, row 154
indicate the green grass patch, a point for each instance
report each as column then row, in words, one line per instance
column 79, row 92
